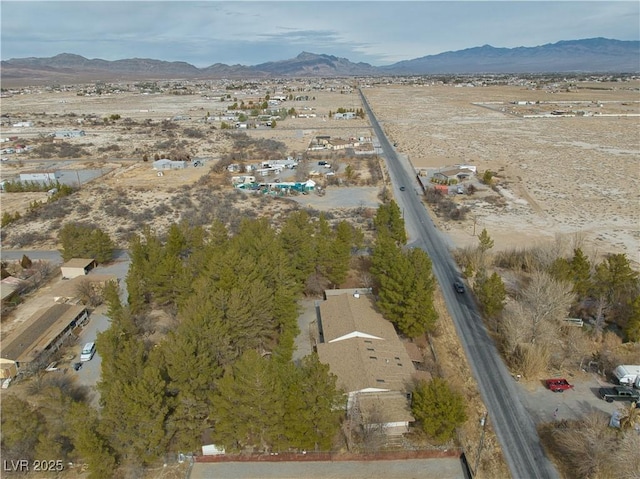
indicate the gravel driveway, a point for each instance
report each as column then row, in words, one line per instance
column 572, row 404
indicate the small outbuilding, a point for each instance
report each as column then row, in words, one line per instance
column 77, row 267
column 8, row 368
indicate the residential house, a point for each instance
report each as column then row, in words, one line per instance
column 39, row 176
column 31, row 344
column 454, row 174
column 166, row 164
column 349, row 115
column 371, row 363
column 69, row 134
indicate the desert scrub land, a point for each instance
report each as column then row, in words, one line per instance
column 554, row 174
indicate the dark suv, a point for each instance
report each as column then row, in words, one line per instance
column 458, row 286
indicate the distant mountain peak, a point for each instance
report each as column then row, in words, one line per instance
column 587, row 55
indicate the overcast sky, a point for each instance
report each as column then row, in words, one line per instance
column 249, row 33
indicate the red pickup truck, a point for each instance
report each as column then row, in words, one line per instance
column 558, row 385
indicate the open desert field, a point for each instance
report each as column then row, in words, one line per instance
column 564, row 175
column 575, row 176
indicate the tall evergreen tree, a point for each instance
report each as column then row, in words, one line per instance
column 580, row 273
column 632, row 329
column 389, row 218
column 192, row 365
column 314, row 405
column 297, row 240
column 491, row 293
column 144, row 409
column 485, row 241
column 248, row 405
column 420, row 315
column 22, row 425
column 438, row 408
column 85, row 241
column 89, row 443
column 614, row 277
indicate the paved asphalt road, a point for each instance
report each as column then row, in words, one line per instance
column 513, row 424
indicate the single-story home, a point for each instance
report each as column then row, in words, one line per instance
column 39, row 176
column 371, row 363
column 458, row 174
column 166, row 164
column 69, row 134
column 31, row 344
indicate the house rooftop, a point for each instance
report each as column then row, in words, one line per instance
column 30, row 338
column 369, row 364
column 385, row 407
column 361, row 347
column 346, row 315
column 78, row 263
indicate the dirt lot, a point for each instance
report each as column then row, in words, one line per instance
column 562, row 175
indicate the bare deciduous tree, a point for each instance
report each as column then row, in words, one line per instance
column 546, row 302
column 588, row 447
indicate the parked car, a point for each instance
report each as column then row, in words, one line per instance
column 458, row 286
column 619, row 393
column 402, row 188
column 558, row 385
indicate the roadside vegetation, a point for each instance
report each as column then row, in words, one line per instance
column 526, row 296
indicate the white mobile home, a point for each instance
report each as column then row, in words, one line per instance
column 627, row 374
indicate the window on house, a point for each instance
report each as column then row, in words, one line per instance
column 379, row 380
column 370, row 349
column 372, row 357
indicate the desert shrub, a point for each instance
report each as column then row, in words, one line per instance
column 116, row 210
column 142, row 217
column 105, row 149
column 83, row 208
column 28, row 238
column 54, row 210
column 530, row 360
column 168, row 125
column 433, row 196
column 8, row 218
column 67, row 150
column 163, row 209
column 375, row 171
column 193, row 133
column 515, row 259
column 588, row 447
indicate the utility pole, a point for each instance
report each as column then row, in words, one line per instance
column 483, row 423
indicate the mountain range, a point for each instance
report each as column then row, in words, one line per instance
column 594, row 55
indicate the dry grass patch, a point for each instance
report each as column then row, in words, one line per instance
column 453, row 366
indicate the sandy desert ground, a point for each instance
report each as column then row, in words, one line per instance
column 570, row 176
column 559, row 175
